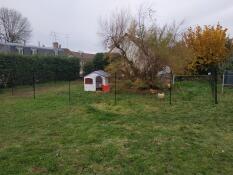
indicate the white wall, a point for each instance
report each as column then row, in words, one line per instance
column 92, row 87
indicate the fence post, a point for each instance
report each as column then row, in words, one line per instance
column 69, row 92
column 34, row 85
column 173, row 80
column 170, row 88
column 211, row 83
column 55, row 76
column 216, row 86
column 223, row 82
column 115, row 90
column 12, row 83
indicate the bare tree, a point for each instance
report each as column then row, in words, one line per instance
column 114, row 32
column 13, row 26
column 145, row 47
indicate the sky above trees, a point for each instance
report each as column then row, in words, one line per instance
column 76, row 22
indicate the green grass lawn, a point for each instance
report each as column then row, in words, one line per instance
column 139, row 135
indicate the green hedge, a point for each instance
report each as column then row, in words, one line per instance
column 19, row 69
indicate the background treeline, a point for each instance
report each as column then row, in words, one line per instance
column 19, row 69
column 100, row 62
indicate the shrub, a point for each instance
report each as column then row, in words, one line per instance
column 129, row 84
column 98, row 63
column 88, row 68
column 141, row 85
column 19, row 69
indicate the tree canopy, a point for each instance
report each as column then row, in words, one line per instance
column 99, row 63
column 140, row 47
column 208, row 45
column 13, row 26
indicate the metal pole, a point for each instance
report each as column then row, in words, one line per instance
column 69, row 91
column 115, row 89
column 223, row 82
column 173, row 80
column 210, row 78
column 170, row 88
column 14, row 76
column 34, row 85
column 12, row 83
column 216, row 86
column 55, row 76
column 212, row 83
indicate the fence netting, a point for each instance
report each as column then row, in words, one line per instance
column 193, row 89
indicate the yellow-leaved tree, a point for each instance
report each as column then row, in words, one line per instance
column 208, row 45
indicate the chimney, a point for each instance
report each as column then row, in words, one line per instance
column 55, row 45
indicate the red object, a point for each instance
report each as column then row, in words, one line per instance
column 106, row 88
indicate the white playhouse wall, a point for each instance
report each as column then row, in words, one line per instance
column 105, row 80
column 92, row 87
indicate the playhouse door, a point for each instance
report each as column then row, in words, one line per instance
column 99, row 82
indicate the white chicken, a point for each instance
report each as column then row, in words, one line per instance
column 161, row 96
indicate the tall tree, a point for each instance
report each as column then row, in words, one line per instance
column 228, row 64
column 144, row 48
column 209, row 47
column 100, row 61
column 13, row 26
column 88, row 67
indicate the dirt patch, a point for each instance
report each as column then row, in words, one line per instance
column 114, row 109
column 39, row 170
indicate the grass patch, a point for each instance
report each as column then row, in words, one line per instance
column 139, row 135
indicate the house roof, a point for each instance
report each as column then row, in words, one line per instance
column 102, row 73
column 81, row 55
column 99, row 72
column 30, row 46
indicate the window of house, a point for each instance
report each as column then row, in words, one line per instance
column 88, row 81
column 34, row 51
column 56, row 52
column 20, row 50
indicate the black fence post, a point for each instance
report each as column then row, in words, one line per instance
column 69, row 92
column 170, row 88
column 34, row 85
column 12, row 83
column 115, row 90
column 216, row 86
column 55, row 76
column 211, row 82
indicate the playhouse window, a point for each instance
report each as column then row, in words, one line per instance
column 88, row 81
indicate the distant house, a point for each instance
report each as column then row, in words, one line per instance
column 23, row 49
column 84, row 57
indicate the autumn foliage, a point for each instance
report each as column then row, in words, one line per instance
column 208, row 46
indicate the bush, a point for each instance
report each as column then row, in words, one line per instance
column 88, row 68
column 98, row 63
column 141, row 85
column 19, row 69
column 129, row 84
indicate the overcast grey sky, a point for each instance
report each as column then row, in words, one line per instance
column 80, row 18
